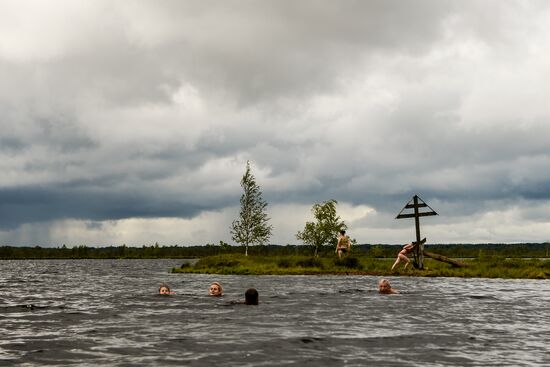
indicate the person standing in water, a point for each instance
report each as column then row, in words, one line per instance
column 344, row 244
column 402, row 256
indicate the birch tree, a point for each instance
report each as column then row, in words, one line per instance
column 253, row 226
column 324, row 230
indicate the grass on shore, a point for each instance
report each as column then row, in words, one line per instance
column 493, row 267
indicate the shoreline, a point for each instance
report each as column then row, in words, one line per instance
column 358, row 265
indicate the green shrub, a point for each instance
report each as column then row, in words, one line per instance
column 513, row 263
column 240, row 270
column 284, row 263
column 311, row 262
column 349, row 262
column 214, row 262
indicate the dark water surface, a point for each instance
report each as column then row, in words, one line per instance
column 106, row 312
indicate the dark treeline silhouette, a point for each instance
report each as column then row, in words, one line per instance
column 156, row 251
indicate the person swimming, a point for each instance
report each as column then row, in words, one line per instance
column 384, row 287
column 215, row 289
column 164, row 290
column 251, row 296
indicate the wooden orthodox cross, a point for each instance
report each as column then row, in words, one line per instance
column 416, row 203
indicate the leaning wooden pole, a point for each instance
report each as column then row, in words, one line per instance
column 444, row 259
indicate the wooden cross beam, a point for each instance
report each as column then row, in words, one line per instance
column 422, row 241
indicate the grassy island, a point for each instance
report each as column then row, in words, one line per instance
column 487, row 267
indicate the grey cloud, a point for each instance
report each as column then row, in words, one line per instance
column 69, row 119
column 260, row 52
column 42, row 204
column 64, row 136
column 94, row 225
column 11, row 144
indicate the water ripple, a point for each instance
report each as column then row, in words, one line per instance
column 106, row 312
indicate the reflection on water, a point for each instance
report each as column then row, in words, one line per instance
column 106, row 312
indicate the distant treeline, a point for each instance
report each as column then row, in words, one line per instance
column 156, row 251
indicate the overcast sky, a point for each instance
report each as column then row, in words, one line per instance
column 132, row 121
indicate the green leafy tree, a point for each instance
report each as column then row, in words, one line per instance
column 224, row 246
column 253, row 223
column 324, row 231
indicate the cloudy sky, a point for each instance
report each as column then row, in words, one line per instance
column 132, row 121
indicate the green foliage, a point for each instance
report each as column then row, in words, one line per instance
column 252, row 226
column 217, row 262
column 361, row 264
column 311, row 262
column 224, row 246
column 324, row 231
column 284, row 263
column 377, row 251
column 492, row 253
column 349, row 262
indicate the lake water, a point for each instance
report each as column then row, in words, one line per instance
column 107, row 312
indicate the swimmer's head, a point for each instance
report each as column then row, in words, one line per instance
column 164, row 289
column 215, row 289
column 251, row 296
column 384, row 286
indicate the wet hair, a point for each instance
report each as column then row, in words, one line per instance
column 164, row 286
column 342, row 231
column 386, row 284
column 219, row 286
column 251, row 296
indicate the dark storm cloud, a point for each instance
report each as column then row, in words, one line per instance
column 138, row 109
column 42, row 204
